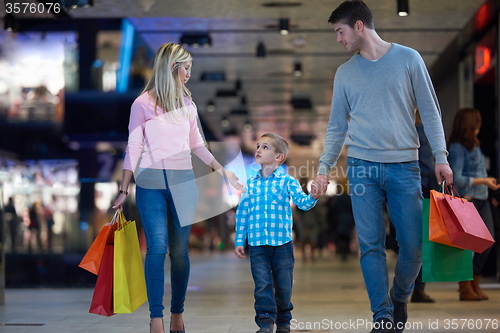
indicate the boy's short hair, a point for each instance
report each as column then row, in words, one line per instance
column 351, row 11
column 279, row 144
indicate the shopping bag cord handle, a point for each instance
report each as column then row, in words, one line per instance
column 450, row 190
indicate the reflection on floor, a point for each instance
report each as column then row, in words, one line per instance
column 329, row 296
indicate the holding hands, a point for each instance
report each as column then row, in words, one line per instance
column 315, row 190
column 319, row 186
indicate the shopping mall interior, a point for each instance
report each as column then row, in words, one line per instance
column 69, row 73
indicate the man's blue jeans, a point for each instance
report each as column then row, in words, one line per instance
column 372, row 186
column 272, row 271
column 163, row 233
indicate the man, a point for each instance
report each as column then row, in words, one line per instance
column 376, row 94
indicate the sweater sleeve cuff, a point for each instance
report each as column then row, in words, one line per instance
column 471, row 180
column 203, row 153
column 323, row 168
column 441, row 158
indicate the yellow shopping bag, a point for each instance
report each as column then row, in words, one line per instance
column 129, row 285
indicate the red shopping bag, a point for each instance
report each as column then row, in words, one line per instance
column 437, row 227
column 465, row 226
column 102, row 300
column 92, row 259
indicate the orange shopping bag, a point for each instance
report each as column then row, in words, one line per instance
column 92, row 259
column 437, row 227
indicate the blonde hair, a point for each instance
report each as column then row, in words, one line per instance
column 279, row 144
column 165, row 85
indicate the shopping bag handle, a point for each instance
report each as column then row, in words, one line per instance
column 114, row 219
column 442, row 186
column 120, row 218
column 450, row 190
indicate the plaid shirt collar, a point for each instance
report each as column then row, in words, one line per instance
column 277, row 173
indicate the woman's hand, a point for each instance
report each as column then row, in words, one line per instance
column 119, row 201
column 491, row 183
column 233, row 179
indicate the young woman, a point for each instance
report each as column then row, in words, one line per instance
column 162, row 133
column 472, row 182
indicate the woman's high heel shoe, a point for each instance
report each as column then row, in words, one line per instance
column 151, row 326
column 181, row 331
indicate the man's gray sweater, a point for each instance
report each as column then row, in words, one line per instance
column 374, row 108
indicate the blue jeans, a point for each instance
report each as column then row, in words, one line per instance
column 372, row 186
column 163, row 233
column 272, row 271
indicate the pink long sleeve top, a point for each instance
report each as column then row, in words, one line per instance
column 157, row 143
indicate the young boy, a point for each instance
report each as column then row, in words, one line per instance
column 264, row 219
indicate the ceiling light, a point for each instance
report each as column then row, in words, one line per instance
column 302, row 139
column 72, row 4
column 224, row 122
column 297, row 71
column 247, row 127
column 282, row 4
column 237, row 85
column 284, row 26
column 226, row 93
column 301, row 103
column 231, row 132
column 213, row 76
column 211, row 106
column 261, row 50
column 403, row 8
column 9, row 22
column 195, row 40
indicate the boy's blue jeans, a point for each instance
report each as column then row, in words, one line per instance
column 163, row 233
column 372, row 185
column 272, row 271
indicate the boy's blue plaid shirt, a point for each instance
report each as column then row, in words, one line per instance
column 264, row 215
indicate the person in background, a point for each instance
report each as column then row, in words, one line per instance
column 162, row 133
column 472, row 182
column 13, row 222
column 308, row 225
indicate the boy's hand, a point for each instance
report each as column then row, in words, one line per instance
column 322, row 183
column 240, row 252
column 315, row 192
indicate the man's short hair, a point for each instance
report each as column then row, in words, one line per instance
column 279, row 144
column 351, row 11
